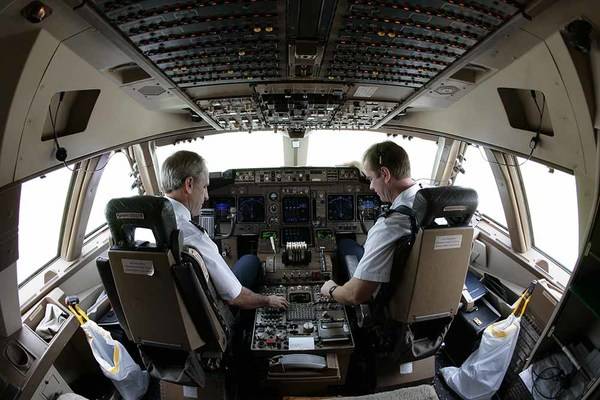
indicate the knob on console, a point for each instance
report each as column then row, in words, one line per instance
column 308, row 327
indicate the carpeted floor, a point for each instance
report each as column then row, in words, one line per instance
column 440, row 388
column 422, row 392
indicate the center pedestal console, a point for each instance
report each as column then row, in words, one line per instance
column 308, row 346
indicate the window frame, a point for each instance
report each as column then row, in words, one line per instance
column 494, row 231
column 483, row 215
column 100, row 228
column 530, row 222
column 61, row 232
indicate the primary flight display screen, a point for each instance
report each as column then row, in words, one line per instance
column 340, row 207
column 221, row 206
column 369, row 205
column 251, row 209
column 295, row 209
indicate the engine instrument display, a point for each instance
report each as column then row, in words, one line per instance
column 340, row 207
column 251, row 209
column 296, row 234
column 222, row 206
column 295, row 209
column 368, row 205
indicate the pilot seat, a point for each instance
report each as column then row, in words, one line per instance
column 407, row 320
column 162, row 294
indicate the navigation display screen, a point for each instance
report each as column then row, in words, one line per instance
column 295, row 209
column 369, row 205
column 222, row 206
column 340, row 207
column 251, row 209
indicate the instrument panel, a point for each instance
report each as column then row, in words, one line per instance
column 293, row 202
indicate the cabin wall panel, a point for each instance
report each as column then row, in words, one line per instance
column 480, row 115
column 577, row 87
column 502, row 266
column 86, row 278
column 62, row 23
column 30, row 53
column 560, row 14
column 549, row 68
column 115, row 120
column 10, row 317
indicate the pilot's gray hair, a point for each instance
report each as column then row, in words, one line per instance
column 391, row 155
column 179, row 166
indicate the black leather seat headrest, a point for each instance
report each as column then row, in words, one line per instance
column 453, row 203
column 125, row 215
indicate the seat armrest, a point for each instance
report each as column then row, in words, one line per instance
column 104, row 270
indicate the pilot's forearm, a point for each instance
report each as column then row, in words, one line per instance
column 344, row 294
column 355, row 291
column 248, row 300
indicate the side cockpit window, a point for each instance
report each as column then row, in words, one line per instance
column 116, row 181
column 478, row 175
column 552, row 203
column 41, row 211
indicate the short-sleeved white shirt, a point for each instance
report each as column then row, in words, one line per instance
column 226, row 283
column 376, row 262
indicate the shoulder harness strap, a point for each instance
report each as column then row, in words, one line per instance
column 404, row 210
column 386, row 290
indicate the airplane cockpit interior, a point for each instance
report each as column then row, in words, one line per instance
column 299, row 199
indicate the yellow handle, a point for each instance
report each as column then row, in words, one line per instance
column 523, row 301
column 81, row 315
column 76, row 314
column 525, row 306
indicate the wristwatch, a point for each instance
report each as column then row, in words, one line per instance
column 331, row 289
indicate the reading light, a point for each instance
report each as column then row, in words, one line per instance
column 35, row 12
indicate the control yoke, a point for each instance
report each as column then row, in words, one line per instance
column 361, row 219
column 232, row 217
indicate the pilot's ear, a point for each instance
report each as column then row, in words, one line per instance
column 188, row 184
column 386, row 174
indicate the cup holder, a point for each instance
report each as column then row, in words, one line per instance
column 18, row 356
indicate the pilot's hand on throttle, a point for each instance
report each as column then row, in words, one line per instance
column 277, row 302
column 326, row 286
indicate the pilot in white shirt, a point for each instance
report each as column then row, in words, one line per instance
column 388, row 168
column 376, row 262
column 184, row 180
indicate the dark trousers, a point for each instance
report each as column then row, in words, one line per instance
column 348, row 247
column 248, row 271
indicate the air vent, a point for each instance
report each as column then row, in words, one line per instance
column 365, row 91
column 471, row 73
column 128, row 73
column 332, row 175
column 151, row 90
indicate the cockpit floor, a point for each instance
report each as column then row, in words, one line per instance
column 442, row 390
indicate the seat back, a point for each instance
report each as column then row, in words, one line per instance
column 162, row 296
column 430, row 283
column 413, row 312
